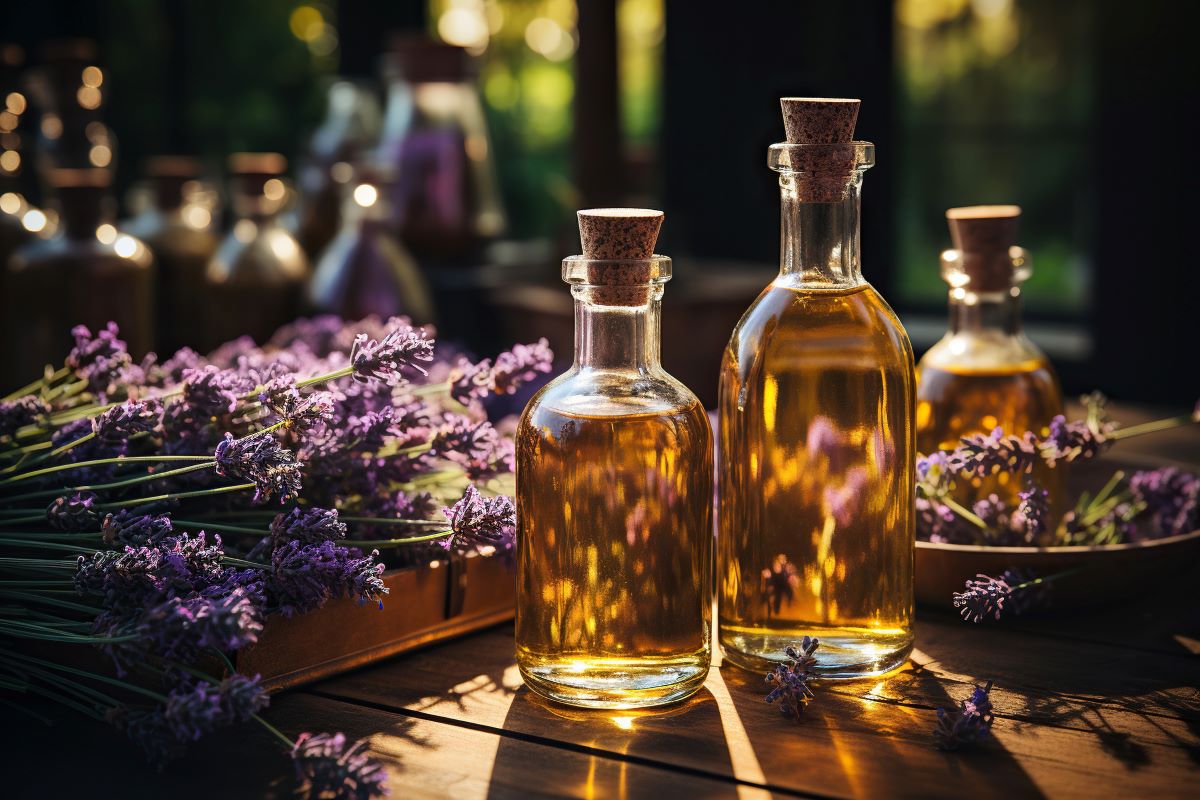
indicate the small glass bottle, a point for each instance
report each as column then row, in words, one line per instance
column 614, row 494
column 256, row 280
column 87, row 273
column 365, row 269
column 817, row 485
column 985, row 372
column 177, row 223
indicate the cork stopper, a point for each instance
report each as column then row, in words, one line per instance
column 983, row 237
column 624, row 237
column 823, row 127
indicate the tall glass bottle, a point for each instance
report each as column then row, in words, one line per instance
column 614, row 494
column 985, row 372
column 256, row 280
column 87, row 273
column 816, row 434
column 178, row 226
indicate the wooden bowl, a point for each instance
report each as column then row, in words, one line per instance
column 1112, row 571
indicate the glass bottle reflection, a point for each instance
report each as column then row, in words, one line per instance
column 178, row 225
column 87, row 273
column 366, row 270
column 257, row 278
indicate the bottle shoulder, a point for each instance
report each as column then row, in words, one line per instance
column 985, row 352
column 611, row 393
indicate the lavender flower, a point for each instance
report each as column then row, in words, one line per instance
column 779, row 583
column 469, row 381
column 128, row 528
column 790, row 680
column 74, row 513
column 306, row 526
column 368, row 432
column 1030, row 516
column 181, row 628
column 1171, row 497
column 132, row 417
column 327, row 767
column 140, row 576
column 386, row 358
column 302, row 412
column 934, row 474
column 1014, row 592
column 971, row 724
column 273, row 469
column 937, row 522
column 195, row 709
column 1073, row 441
column 520, row 365
column 23, row 411
column 212, row 391
column 979, row 455
column 462, row 438
column 305, row 577
column 100, row 359
column 477, row 520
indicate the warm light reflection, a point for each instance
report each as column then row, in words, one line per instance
column 15, row 103
column 89, row 97
column 341, row 172
column 10, row 160
column 197, row 217
column 100, row 155
column 92, row 77
column 244, row 231
column 125, row 246
column 274, row 189
column 10, row 202
column 51, row 126
column 365, row 195
column 106, row 233
column 8, row 120
column 306, row 23
column 284, row 247
column 624, row 723
column 464, row 25
column 33, row 220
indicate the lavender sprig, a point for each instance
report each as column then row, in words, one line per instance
column 790, row 680
column 385, row 359
column 970, row 725
column 476, row 520
column 273, row 469
column 1013, row 592
column 326, row 766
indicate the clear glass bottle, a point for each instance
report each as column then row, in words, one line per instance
column 256, row 280
column 614, row 499
column 985, row 372
column 365, row 269
column 816, row 434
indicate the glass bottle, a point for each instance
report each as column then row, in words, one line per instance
column 614, row 494
column 985, row 372
column 87, row 273
column 816, row 436
column 256, row 280
column 445, row 199
column 177, row 224
column 366, row 270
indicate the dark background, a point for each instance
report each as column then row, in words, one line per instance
column 1087, row 120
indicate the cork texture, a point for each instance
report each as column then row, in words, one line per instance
column 822, row 172
column 619, row 234
column 983, row 236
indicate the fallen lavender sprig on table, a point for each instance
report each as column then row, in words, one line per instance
column 1011, row 593
column 970, row 725
column 132, row 519
column 790, row 680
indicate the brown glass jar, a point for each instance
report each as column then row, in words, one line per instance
column 87, row 273
column 178, row 226
column 256, row 280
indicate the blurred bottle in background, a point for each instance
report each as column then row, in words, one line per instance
column 351, row 129
column 87, row 273
column 255, row 282
column 445, row 199
column 178, row 223
column 366, row 269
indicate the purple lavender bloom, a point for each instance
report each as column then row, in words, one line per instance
column 981, row 455
column 790, row 680
column 211, row 391
column 177, row 567
column 937, row 522
column 129, row 529
column 824, row 439
column 184, row 358
column 470, row 382
column 463, row 438
column 386, row 358
column 477, row 520
column 306, row 526
column 100, row 359
column 1171, row 497
column 934, row 474
column 520, row 365
column 971, row 724
column 1014, row 592
column 501, row 460
column 274, row 469
column 131, row 417
column 198, row 708
column 327, row 767
column 301, row 412
column 1073, row 441
column 304, row 577
column 1030, row 517
column 180, row 628
column 368, row 432
column 75, row 513
column 842, row 502
column 23, row 411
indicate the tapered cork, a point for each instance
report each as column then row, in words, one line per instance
column 822, row 172
column 626, row 236
column 983, row 236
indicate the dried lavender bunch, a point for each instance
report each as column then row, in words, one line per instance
column 970, row 725
column 1012, row 593
column 790, row 681
column 326, row 766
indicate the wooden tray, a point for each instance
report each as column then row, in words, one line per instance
column 424, row 605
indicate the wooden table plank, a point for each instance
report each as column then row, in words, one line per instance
column 858, row 740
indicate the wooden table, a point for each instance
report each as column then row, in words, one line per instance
column 1087, row 705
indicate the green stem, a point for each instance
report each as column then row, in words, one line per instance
column 331, row 376
column 280, row 735
column 964, row 512
column 30, row 388
column 240, row 487
column 395, row 542
column 69, row 548
column 37, row 563
column 93, row 676
column 18, row 630
column 50, row 601
column 392, row 521
column 60, row 450
column 241, row 562
column 429, row 388
column 1152, row 427
column 100, row 461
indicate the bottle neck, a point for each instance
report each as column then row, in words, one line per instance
column 616, row 337
column 994, row 312
column 819, row 241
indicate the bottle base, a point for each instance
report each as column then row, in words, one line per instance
column 616, row 683
column 844, row 654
